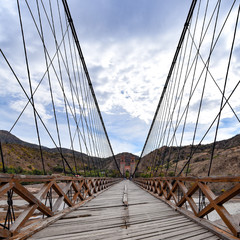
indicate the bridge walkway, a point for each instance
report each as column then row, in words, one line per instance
column 105, row 217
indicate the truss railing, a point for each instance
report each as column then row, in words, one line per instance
column 42, row 196
column 195, row 196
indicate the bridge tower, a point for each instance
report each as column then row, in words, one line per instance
column 132, row 165
column 122, row 165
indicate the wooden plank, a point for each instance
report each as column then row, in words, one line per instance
column 206, row 235
column 14, row 182
column 29, row 197
column 229, row 220
column 6, row 187
column 225, row 216
column 34, row 228
column 105, row 218
column 23, row 217
column 62, row 196
column 125, row 197
column 164, row 233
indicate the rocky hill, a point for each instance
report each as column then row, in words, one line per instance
column 23, row 157
column 226, row 159
column 8, row 138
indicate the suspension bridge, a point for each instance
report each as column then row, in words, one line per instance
column 76, row 187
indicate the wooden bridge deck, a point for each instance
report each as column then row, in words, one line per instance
column 105, row 217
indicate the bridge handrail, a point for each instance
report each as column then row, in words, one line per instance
column 197, row 179
column 5, row 177
column 178, row 192
column 49, row 197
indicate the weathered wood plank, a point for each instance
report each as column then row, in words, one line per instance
column 105, row 217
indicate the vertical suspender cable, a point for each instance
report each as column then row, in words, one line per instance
column 189, row 16
column 224, row 89
column 66, row 8
column 30, row 85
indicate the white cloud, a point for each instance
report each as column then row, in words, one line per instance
column 128, row 57
column 133, row 74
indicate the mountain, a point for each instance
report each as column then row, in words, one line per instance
column 23, row 157
column 8, row 138
column 226, row 159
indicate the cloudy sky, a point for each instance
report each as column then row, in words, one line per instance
column 128, row 47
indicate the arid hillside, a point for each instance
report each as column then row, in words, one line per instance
column 24, row 158
column 226, row 159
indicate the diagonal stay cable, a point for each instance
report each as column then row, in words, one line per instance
column 215, row 82
column 50, row 64
column 200, row 43
column 204, row 66
column 63, row 90
column 224, row 90
column 74, row 89
column 216, row 41
column 58, row 78
column 167, row 122
column 199, row 144
column 86, row 73
column 64, row 61
column 38, row 115
column 51, row 91
column 190, row 13
column 204, row 85
column 71, row 86
column 190, row 69
column 30, row 86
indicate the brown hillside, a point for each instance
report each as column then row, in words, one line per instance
column 23, row 157
column 226, row 159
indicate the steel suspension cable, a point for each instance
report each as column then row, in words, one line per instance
column 224, row 89
column 189, row 16
column 86, row 73
column 30, row 86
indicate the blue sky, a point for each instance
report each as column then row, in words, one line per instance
column 128, row 47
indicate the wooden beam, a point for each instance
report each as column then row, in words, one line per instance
column 6, row 187
column 62, row 196
column 222, row 212
column 23, row 217
column 29, row 197
column 4, row 233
